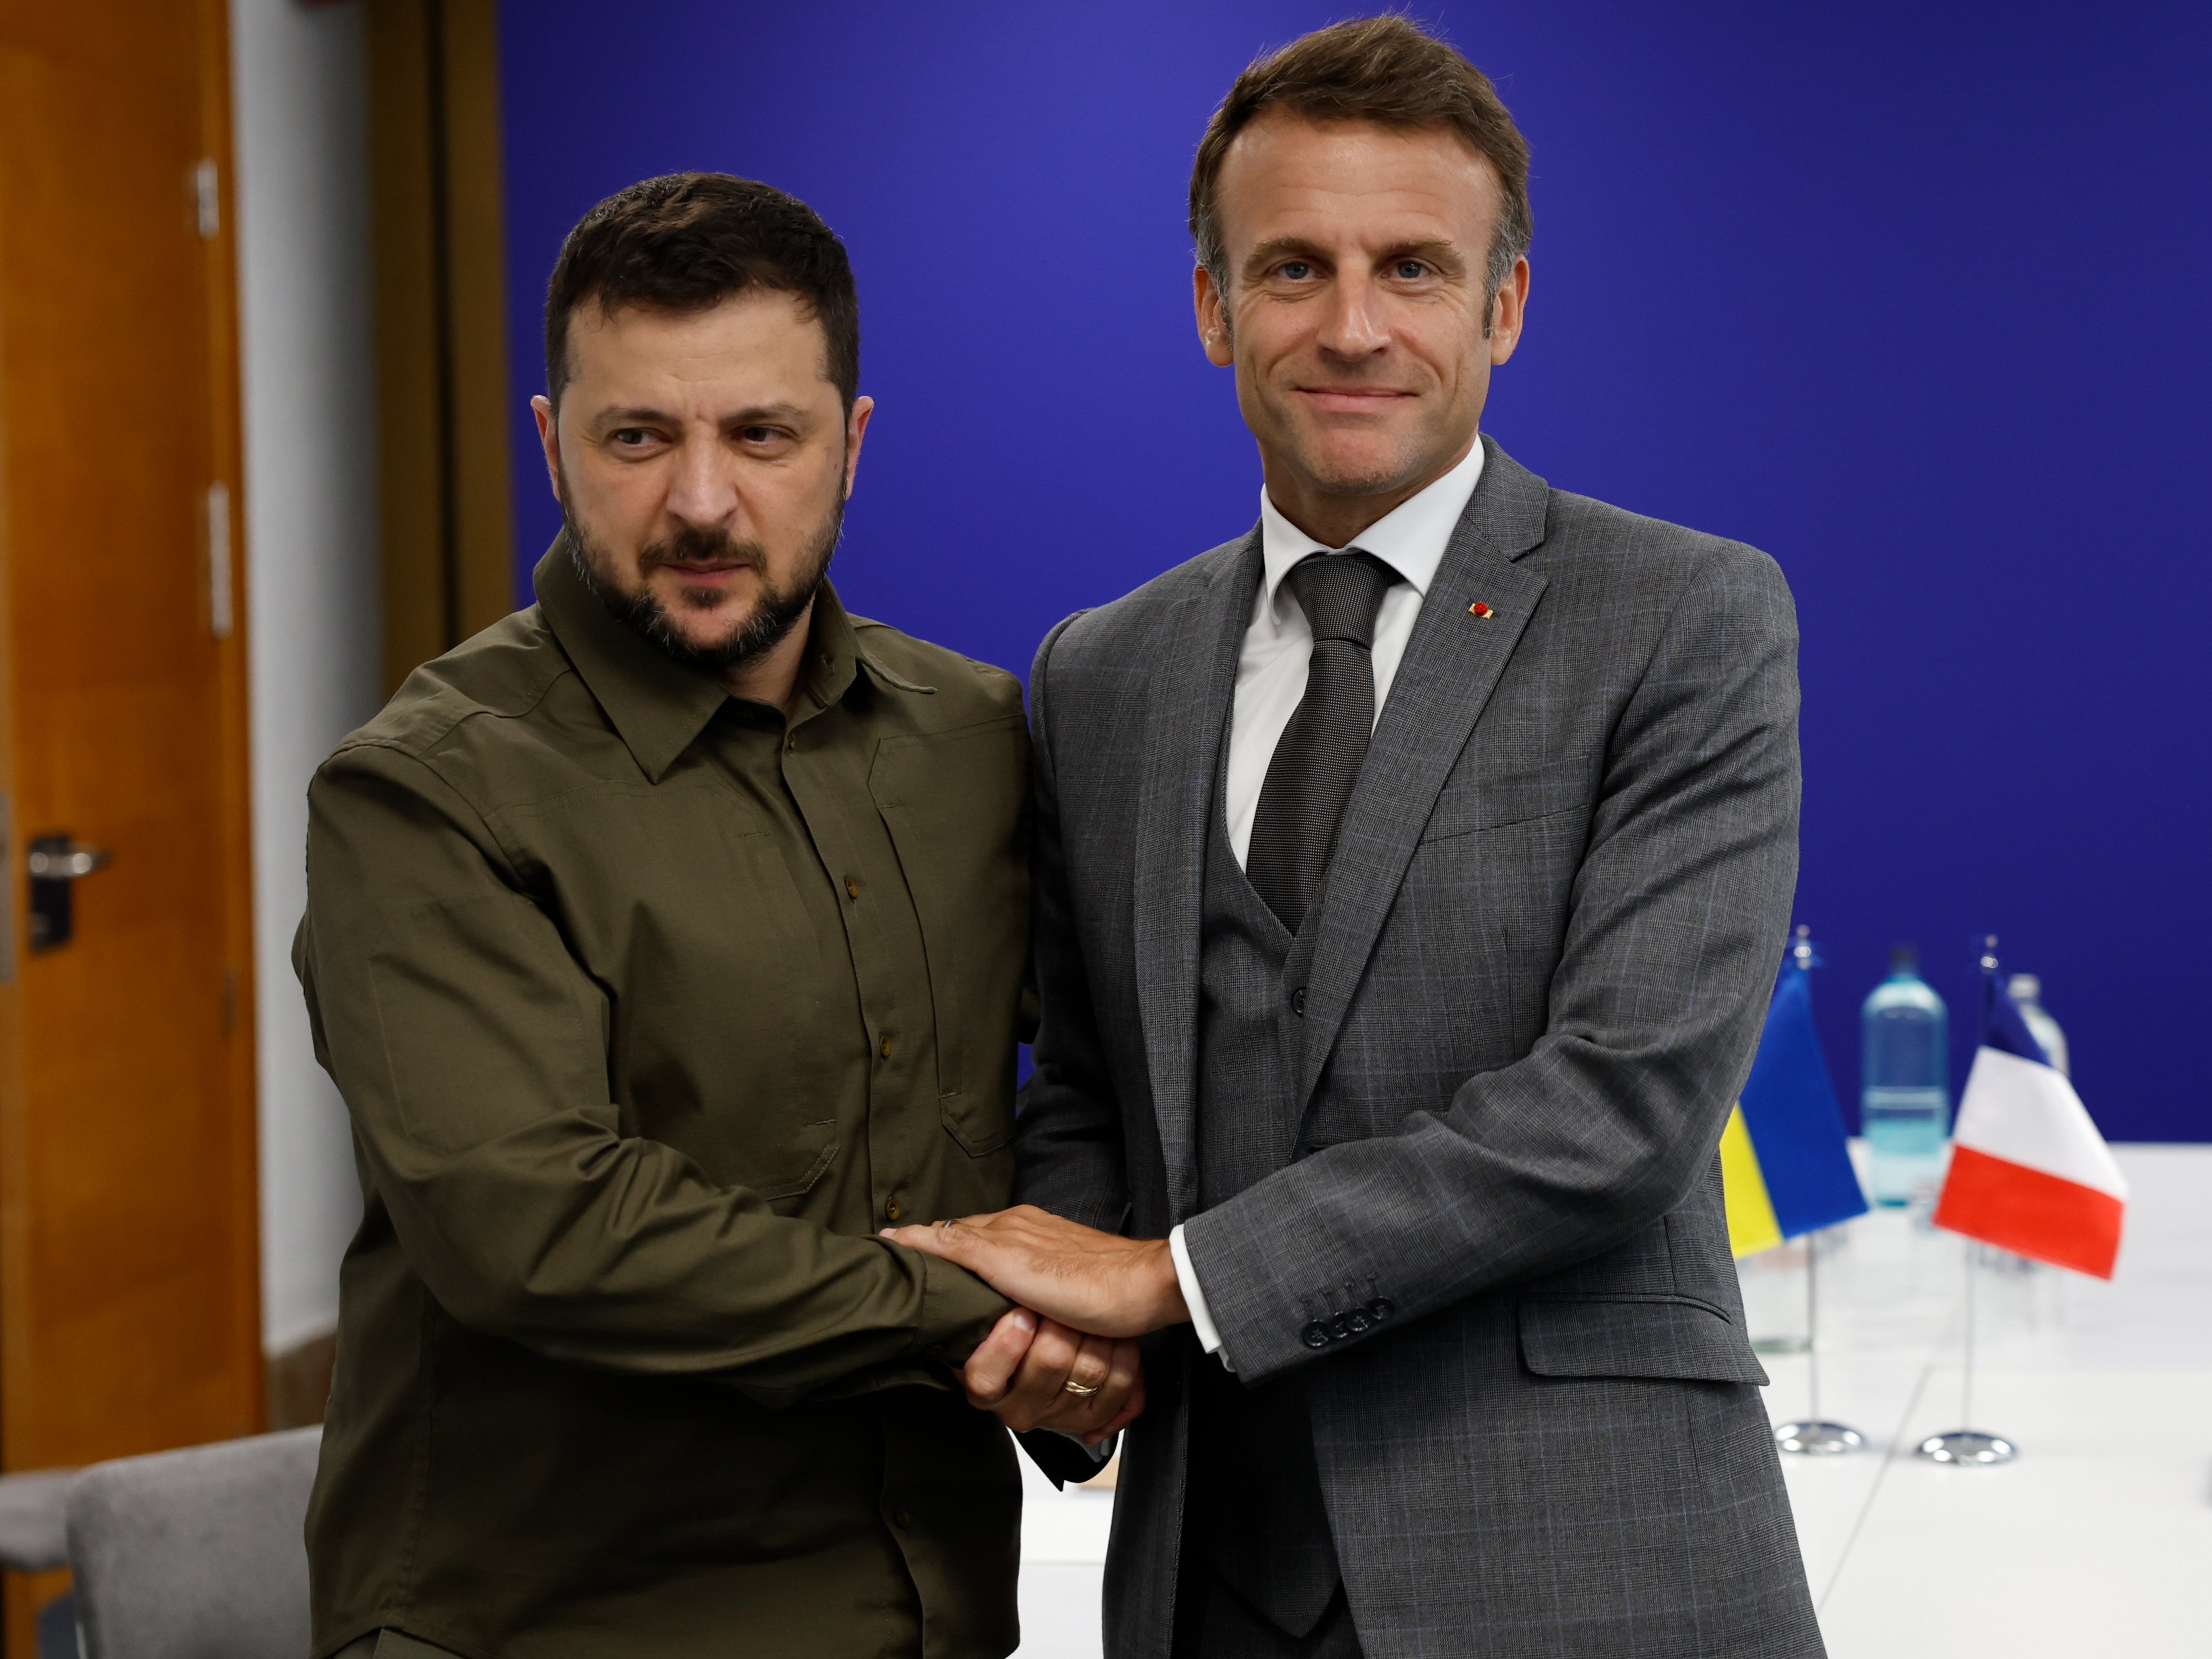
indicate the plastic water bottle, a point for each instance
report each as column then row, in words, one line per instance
column 1905, row 1100
column 2027, row 991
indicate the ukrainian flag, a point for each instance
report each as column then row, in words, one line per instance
column 1784, row 1157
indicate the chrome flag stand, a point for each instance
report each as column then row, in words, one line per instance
column 1815, row 1437
column 1968, row 1447
column 1972, row 1448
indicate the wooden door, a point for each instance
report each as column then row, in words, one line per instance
column 129, row 1282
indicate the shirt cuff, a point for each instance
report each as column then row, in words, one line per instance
column 1193, row 1298
column 959, row 1310
column 1099, row 1454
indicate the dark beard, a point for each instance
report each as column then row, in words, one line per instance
column 774, row 615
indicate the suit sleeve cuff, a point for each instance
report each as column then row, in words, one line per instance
column 1193, row 1298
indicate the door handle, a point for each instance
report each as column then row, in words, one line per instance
column 56, row 863
column 56, row 858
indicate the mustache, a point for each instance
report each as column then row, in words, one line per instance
column 694, row 545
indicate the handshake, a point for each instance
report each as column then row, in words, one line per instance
column 1065, row 1358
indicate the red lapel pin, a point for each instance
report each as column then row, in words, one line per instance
column 1481, row 610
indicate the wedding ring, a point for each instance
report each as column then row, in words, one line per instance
column 1081, row 1390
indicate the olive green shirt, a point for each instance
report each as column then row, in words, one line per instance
column 649, row 1010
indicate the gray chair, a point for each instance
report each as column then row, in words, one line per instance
column 32, row 1538
column 35, row 1538
column 195, row 1554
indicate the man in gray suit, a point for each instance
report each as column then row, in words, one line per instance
column 1411, row 874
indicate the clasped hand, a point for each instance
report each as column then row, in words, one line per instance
column 1067, row 1357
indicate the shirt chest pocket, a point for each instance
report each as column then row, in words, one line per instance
column 956, row 806
column 687, row 911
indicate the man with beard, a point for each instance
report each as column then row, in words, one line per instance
column 666, row 940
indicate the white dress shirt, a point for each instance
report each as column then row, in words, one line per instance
column 1271, row 678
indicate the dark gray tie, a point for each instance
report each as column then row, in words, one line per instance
column 1317, row 760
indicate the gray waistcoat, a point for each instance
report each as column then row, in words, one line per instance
column 1259, row 1508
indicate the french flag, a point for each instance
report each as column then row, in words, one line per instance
column 2029, row 1172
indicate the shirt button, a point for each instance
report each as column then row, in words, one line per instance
column 1299, row 1002
column 884, row 1048
column 852, row 888
column 891, row 1211
column 901, row 1519
column 791, row 741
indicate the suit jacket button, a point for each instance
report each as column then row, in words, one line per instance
column 1299, row 1002
column 1358, row 1322
column 1316, row 1335
column 1339, row 1328
column 1382, row 1308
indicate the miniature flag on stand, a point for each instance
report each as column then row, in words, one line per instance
column 2029, row 1172
column 1784, row 1158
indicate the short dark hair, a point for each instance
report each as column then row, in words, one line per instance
column 1388, row 70
column 689, row 240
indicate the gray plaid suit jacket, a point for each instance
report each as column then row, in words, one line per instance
column 1558, row 899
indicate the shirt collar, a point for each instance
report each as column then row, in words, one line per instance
column 1410, row 538
column 658, row 706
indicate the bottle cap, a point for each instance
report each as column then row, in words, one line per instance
column 2024, row 987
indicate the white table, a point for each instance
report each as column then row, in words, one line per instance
column 2098, row 1540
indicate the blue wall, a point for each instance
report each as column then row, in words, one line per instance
column 1915, row 297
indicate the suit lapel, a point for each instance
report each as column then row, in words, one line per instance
column 1191, row 683
column 1451, row 665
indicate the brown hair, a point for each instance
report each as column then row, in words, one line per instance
column 689, row 240
column 1386, row 70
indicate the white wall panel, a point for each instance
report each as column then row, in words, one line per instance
column 299, row 114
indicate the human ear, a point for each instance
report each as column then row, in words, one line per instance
column 548, row 439
column 1509, row 313
column 856, row 428
column 1212, row 318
